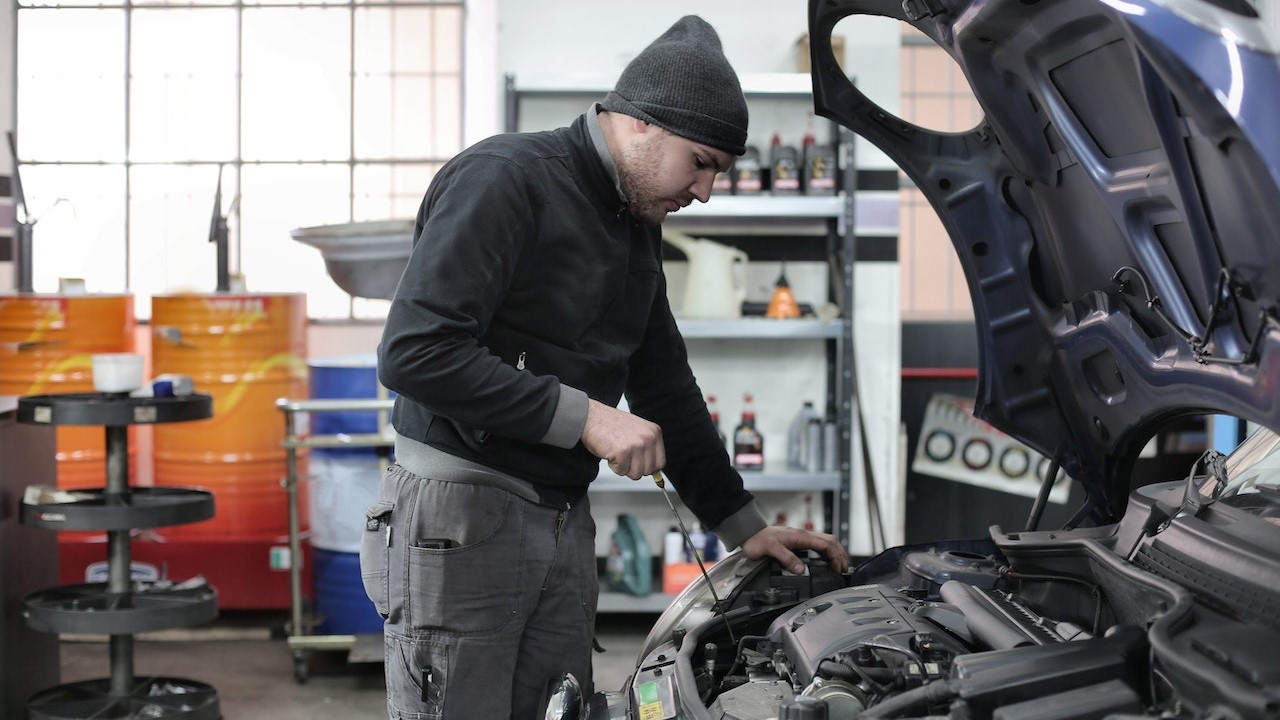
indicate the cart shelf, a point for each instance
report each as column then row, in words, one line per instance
column 150, row 697
column 111, row 409
column 90, row 608
column 140, row 507
column 119, row 607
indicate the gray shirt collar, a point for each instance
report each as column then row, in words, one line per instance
column 602, row 147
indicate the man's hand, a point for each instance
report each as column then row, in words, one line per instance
column 632, row 445
column 778, row 542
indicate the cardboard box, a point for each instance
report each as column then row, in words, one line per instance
column 802, row 51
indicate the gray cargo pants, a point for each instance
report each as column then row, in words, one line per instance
column 486, row 594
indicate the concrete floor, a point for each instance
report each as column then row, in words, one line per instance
column 245, row 658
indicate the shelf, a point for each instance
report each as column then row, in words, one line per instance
column 798, row 216
column 770, row 480
column 142, row 507
column 152, row 697
column 89, row 608
column 788, row 207
column 812, row 227
column 111, row 409
column 759, row 329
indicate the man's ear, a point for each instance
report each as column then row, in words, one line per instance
column 639, row 126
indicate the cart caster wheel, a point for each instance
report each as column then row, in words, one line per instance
column 301, row 670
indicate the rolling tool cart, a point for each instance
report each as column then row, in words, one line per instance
column 122, row 606
column 361, row 647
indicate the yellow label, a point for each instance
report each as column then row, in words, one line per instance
column 652, row 711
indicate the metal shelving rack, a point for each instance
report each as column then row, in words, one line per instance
column 301, row 642
column 827, row 219
column 121, row 606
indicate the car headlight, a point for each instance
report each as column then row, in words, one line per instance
column 696, row 603
column 564, row 699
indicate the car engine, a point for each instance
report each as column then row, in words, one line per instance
column 1087, row 623
column 876, row 650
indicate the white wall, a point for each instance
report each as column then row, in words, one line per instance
column 593, row 39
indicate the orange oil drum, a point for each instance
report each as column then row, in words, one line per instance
column 246, row 351
column 47, row 342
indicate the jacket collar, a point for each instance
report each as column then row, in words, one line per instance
column 590, row 155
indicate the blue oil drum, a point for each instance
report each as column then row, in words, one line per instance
column 344, row 480
column 346, row 377
column 340, row 600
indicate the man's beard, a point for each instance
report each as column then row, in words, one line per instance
column 638, row 173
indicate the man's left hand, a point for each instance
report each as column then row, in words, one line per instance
column 779, row 543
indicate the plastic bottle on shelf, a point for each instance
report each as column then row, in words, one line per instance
column 629, row 567
column 697, row 538
column 748, row 443
column 797, row 436
column 672, row 546
column 819, row 165
column 746, row 171
column 830, row 447
column 784, row 168
column 813, row 444
column 808, row 513
column 713, row 548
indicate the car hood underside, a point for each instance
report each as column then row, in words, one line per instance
column 1116, row 212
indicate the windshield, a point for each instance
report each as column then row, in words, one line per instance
column 1254, row 472
column 1255, row 465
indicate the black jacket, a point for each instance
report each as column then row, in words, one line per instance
column 528, row 272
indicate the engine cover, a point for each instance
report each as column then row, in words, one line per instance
column 841, row 621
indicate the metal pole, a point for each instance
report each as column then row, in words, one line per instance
column 295, row 543
column 23, row 229
column 119, row 580
column 23, row 281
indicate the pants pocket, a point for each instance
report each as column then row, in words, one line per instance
column 471, row 583
column 417, row 675
column 375, row 561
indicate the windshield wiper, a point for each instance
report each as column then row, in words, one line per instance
column 1204, row 489
column 1205, row 484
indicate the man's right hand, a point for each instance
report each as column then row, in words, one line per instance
column 631, row 445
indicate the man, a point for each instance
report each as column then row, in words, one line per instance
column 533, row 299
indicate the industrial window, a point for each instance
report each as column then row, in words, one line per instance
column 311, row 112
column 935, row 95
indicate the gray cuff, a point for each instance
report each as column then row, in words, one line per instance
column 741, row 525
column 569, row 420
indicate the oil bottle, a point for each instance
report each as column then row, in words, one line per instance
column 784, row 168
column 819, row 168
column 798, row 436
column 748, row 443
column 747, row 173
column 715, row 420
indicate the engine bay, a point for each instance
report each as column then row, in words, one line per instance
column 1062, row 624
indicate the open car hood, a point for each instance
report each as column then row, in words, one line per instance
column 1116, row 213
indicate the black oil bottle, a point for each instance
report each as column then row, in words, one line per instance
column 784, row 168
column 748, row 443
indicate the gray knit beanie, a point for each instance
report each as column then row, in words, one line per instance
column 684, row 84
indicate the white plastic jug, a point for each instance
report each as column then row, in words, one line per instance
column 717, row 281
